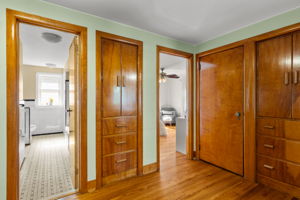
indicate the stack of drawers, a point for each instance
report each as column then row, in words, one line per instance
column 278, row 149
column 119, row 145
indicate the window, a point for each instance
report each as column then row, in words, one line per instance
column 49, row 89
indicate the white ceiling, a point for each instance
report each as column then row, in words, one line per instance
column 192, row 21
column 173, row 64
column 37, row 51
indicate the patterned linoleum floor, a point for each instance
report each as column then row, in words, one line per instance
column 46, row 170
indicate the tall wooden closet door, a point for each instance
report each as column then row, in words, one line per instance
column 274, row 77
column 221, row 109
column 111, row 78
column 296, row 75
column 129, row 79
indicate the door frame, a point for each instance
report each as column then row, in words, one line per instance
column 13, row 18
column 190, row 97
column 103, row 35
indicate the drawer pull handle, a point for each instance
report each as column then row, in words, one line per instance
column 270, row 146
column 269, row 127
column 121, row 125
column 295, row 77
column 286, row 78
column 120, row 161
column 121, row 142
column 269, row 167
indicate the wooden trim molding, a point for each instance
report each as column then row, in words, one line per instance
column 277, row 185
column 249, row 111
column 151, row 168
column 13, row 19
column 139, row 44
column 190, row 93
column 91, row 185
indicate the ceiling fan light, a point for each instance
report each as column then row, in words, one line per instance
column 162, row 79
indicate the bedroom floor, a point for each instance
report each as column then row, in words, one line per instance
column 46, row 169
column 168, row 144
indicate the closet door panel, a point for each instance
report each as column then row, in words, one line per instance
column 274, row 77
column 296, row 76
column 111, row 78
column 129, row 79
column 221, row 101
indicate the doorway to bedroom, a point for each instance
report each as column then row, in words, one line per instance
column 174, row 105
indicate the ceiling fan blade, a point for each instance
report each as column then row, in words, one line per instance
column 173, row 76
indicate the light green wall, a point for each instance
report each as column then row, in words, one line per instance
column 267, row 25
column 92, row 23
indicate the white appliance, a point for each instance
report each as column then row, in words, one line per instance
column 22, row 133
column 181, row 130
column 28, row 126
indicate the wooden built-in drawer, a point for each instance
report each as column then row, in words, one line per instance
column 289, row 129
column 283, row 171
column 119, row 125
column 279, row 148
column 118, row 163
column 119, row 143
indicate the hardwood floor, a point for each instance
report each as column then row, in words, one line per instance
column 183, row 179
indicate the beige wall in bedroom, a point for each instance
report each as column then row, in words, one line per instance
column 29, row 78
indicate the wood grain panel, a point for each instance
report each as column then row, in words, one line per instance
column 129, row 79
column 279, row 148
column 221, row 97
column 111, row 78
column 119, row 125
column 275, row 127
column 119, row 143
column 274, row 77
column 118, row 163
column 270, row 126
column 296, row 76
column 283, row 171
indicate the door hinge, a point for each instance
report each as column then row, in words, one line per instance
column 76, row 171
column 199, row 66
column 199, row 147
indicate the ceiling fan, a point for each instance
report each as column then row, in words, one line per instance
column 164, row 76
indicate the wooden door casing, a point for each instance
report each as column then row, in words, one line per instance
column 111, row 78
column 221, row 96
column 273, row 69
column 129, row 60
column 296, row 75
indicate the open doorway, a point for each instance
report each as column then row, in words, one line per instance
column 174, row 104
column 47, row 144
column 46, row 128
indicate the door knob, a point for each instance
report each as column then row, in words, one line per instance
column 238, row 115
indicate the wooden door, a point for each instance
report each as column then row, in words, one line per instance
column 129, row 79
column 111, row 78
column 221, row 100
column 296, row 75
column 72, row 68
column 274, row 77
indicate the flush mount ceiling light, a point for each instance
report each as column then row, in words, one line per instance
column 51, row 37
column 50, row 65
